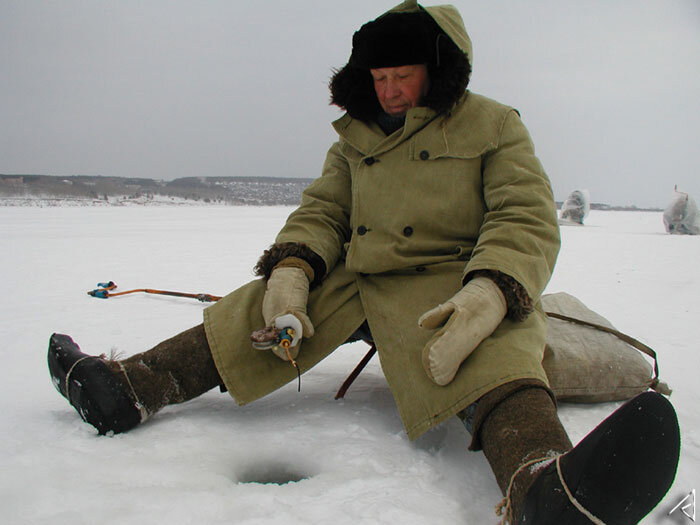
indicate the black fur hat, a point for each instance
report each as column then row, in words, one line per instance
column 397, row 39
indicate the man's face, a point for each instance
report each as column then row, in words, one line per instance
column 400, row 88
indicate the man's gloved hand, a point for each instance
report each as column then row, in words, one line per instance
column 284, row 306
column 472, row 314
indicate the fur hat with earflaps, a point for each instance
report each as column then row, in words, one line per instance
column 398, row 39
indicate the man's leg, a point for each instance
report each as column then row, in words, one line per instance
column 616, row 474
column 115, row 396
column 174, row 371
column 516, row 423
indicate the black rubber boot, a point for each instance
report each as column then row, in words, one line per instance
column 99, row 396
column 617, row 473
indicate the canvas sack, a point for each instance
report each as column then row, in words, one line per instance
column 587, row 364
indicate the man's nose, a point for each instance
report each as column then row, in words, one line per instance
column 392, row 89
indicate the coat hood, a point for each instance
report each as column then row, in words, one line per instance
column 449, row 67
column 449, row 20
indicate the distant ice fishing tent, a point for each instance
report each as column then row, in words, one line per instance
column 576, row 207
column 681, row 216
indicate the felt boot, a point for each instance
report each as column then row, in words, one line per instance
column 174, row 371
column 115, row 396
column 616, row 475
column 514, row 424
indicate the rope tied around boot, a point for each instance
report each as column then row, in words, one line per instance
column 137, row 402
column 573, row 500
column 505, row 509
column 70, row 370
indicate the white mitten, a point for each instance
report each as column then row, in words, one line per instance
column 284, row 306
column 472, row 314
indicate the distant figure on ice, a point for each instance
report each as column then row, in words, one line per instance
column 576, row 207
column 432, row 231
column 681, row 216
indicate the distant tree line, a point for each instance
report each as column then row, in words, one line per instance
column 256, row 191
column 224, row 190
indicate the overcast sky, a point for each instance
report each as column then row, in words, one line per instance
column 610, row 90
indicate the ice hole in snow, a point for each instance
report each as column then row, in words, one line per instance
column 272, row 474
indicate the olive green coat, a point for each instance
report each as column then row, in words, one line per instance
column 401, row 221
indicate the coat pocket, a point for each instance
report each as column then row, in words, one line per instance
column 439, row 146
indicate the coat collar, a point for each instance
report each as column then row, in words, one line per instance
column 369, row 139
column 470, row 130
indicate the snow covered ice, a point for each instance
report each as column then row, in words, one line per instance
column 193, row 463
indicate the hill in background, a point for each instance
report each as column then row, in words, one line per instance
column 27, row 190
column 86, row 189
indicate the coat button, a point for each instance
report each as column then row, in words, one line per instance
column 370, row 160
column 361, row 230
column 424, row 155
column 408, row 231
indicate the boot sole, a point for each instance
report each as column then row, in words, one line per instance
column 619, row 472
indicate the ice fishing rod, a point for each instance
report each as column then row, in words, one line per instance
column 262, row 339
column 104, row 291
